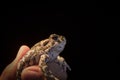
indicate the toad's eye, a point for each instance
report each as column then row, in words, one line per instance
column 55, row 37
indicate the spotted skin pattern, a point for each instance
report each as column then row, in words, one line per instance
column 42, row 53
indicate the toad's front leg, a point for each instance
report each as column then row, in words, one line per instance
column 61, row 62
column 44, row 59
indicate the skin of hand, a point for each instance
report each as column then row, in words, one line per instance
column 29, row 73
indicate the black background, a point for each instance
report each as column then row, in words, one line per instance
column 30, row 23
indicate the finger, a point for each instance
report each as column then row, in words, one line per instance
column 32, row 73
column 22, row 51
column 9, row 72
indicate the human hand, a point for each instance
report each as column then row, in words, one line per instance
column 29, row 73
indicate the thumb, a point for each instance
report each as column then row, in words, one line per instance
column 32, row 73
